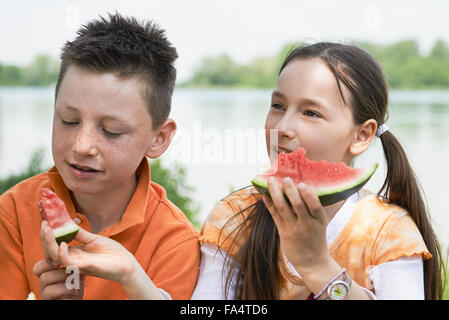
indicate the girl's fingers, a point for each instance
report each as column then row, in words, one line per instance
column 312, row 202
column 64, row 255
column 296, row 202
column 85, row 236
column 49, row 243
column 272, row 209
column 279, row 201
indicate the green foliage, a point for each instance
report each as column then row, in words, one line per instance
column 402, row 62
column 173, row 180
column 405, row 67
column 42, row 71
column 34, row 167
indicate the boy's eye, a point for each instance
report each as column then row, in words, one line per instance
column 111, row 134
column 69, row 123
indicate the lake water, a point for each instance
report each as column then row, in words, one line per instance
column 220, row 140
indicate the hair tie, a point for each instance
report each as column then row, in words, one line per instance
column 382, row 128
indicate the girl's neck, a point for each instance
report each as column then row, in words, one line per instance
column 333, row 209
column 105, row 209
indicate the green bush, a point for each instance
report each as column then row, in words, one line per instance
column 405, row 67
column 173, row 180
column 35, row 167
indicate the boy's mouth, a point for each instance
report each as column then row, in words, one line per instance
column 83, row 168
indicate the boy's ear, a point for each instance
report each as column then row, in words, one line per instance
column 363, row 137
column 162, row 139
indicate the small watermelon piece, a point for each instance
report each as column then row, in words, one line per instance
column 332, row 182
column 54, row 211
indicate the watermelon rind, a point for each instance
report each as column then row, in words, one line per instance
column 328, row 195
column 66, row 233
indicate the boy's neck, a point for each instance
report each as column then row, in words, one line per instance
column 106, row 209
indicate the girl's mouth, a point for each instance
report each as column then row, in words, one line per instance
column 279, row 150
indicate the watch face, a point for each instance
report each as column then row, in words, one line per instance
column 339, row 290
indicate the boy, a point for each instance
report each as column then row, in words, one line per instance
column 112, row 102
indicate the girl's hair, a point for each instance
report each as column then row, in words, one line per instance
column 257, row 260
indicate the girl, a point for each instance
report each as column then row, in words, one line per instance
column 331, row 99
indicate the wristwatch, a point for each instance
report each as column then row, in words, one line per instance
column 339, row 290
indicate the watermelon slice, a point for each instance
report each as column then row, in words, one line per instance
column 332, row 182
column 54, row 211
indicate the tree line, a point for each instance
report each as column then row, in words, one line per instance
column 404, row 65
column 42, row 71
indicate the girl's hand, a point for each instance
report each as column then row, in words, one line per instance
column 302, row 232
column 301, row 225
column 98, row 256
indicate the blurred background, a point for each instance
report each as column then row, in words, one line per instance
column 229, row 55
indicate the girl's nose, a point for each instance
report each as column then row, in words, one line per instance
column 285, row 126
column 85, row 142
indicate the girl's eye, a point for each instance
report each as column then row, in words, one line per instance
column 276, row 106
column 311, row 113
column 111, row 134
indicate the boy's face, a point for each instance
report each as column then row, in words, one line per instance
column 101, row 125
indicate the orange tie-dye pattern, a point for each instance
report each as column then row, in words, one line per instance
column 377, row 232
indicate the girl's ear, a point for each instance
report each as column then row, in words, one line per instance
column 363, row 137
column 162, row 139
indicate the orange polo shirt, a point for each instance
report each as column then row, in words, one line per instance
column 158, row 234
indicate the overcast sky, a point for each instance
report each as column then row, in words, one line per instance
column 242, row 28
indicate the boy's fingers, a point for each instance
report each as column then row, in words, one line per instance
column 43, row 266
column 57, row 291
column 48, row 242
column 51, row 277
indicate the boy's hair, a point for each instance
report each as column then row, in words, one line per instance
column 123, row 46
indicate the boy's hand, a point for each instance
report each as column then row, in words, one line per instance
column 49, row 244
column 53, row 282
column 53, row 279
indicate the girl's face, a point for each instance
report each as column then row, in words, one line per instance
column 308, row 111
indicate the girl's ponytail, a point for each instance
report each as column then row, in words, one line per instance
column 402, row 188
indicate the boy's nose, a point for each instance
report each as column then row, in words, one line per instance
column 85, row 143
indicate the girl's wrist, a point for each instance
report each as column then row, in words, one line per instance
column 130, row 275
column 318, row 276
column 137, row 285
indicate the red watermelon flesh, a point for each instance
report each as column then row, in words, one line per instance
column 54, row 211
column 332, row 182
